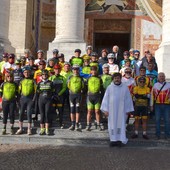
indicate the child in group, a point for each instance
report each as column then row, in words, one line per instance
column 127, row 65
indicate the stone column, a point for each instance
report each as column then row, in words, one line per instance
column 4, row 26
column 20, row 25
column 70, row 15
column 163, row 53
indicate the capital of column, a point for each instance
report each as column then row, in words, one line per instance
column 166, row 23
column 70, row 16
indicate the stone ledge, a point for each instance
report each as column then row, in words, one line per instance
column 85, row 140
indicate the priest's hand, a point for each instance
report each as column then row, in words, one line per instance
column 106, row 114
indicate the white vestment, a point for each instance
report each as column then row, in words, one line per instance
column 117, row 101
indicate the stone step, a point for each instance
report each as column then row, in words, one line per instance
column 94, row 137
column 66, row 137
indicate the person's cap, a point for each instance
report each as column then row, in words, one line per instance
column 67, row 63
column 75, row 66
column 131, row 50
column 86, row 58
column 51, row 59
column 26, row 51
column 55, row 51
column 110, row 55
column 11, row 55
column 136, row 51
column 42, row 62
column 44, row 72
column 60, row 55
column 40, row 51
column 126, row 53
column 127, row 70
column 94, row 54
column 77, row 51
column 142, row 79
column 104, row 50
column 31, row 58
column 18, row 61
column 26, row 68
column 105, row 66
column 57, row 66
column 89, row 47
column 5, row 55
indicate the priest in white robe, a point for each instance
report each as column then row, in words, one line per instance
column 116, row 104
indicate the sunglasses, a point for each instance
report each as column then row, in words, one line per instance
column 141, row 81
column 128, row 72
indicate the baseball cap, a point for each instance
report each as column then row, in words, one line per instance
column 55, row 51
column 110, row 55
column 75, row 66
column 105, row 66
column 57, row 66
column 77, row 50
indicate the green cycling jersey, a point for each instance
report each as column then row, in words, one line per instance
column 106, row 79
column 27, row 87
column 9, row 90
column 75, row 84
column 94, row 84
column 59, row 83
column 76, row 60
column 86, row 69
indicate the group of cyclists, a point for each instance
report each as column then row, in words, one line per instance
column 30, row 85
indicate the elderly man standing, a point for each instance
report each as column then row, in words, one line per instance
column 116, row 104
column 117, row 55
column 160, row 100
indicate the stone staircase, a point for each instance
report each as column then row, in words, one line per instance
column 93, row 138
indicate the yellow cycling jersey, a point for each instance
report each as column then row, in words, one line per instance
column 141, row 91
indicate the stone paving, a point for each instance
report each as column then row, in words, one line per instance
column 75, row 138
column 73, row 150
column 45, row 157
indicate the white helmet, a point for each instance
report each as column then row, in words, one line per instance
column 110, row 55
column 105, row 66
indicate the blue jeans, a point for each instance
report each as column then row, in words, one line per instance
column 162, row 110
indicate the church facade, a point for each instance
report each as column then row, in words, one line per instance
column 70, row 24
column 126, row 23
